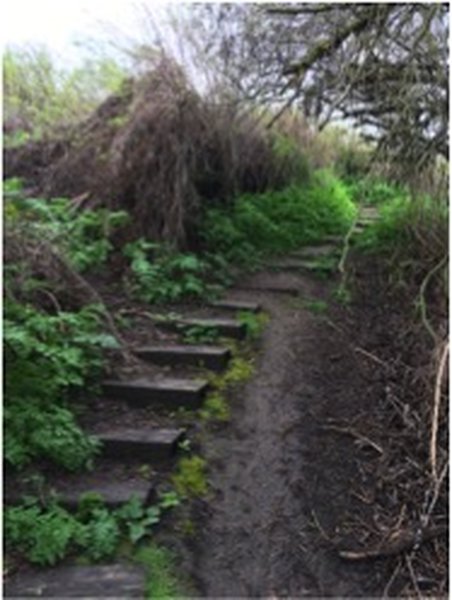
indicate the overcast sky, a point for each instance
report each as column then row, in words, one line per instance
column 63, row 25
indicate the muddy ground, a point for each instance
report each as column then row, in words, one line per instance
column 299, row 472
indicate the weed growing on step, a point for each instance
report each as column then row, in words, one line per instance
column 160, row 564
column 215, row 408
column 254, row 323
column 240, row 370
column 45, row 535
column 200, row 334
column 190, row 479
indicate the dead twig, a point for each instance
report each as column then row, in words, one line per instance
column 371, row 356
column 399, row 541
column 320, row 528
column 391, row 580
column 355, row 434
column 438, row 483
column 422, row 301
column 435, row 414
column 412, row 575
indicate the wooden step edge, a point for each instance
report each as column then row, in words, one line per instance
column 144, row 491
column 150, row 445
column 214, row 358
column 237, row 305
column 166, row 393
column 293, row 291
column 105, row 581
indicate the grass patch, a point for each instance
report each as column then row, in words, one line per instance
column 215, row 408
column 240, row 370
column 160, row 564
column 190, row 479
column 254, row 323
column 318, row 307
column 279, row 221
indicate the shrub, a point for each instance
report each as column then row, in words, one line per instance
column 159, row 275
column 45, row 357
column 278, row 221
column 39, row 97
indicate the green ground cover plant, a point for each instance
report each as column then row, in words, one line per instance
column 47, row 356
column 46, row 534
column 84, row 237
column 278, row 221
column 159, row 275
column 39, row 95
column 162, row 581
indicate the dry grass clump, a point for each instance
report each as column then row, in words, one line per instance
column 161, row 151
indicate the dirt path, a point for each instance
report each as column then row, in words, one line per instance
column 275, row 473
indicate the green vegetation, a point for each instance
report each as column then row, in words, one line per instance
column 200, row 334
column 83, row 237
column 190, row 478
column 38, row 96
column 162, row 580
column 275, row 222
column 45, row 535
column 215, row 408
column 46, row 356
column 375, row 191
column 240, row 370
column 167, row 276
column 254, row 323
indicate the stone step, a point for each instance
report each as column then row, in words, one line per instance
column 150, row 445
column 167, row 393
column 225, row 327
column 237, row 305
column 214, row 358
column 111, row 581
column 113, row 493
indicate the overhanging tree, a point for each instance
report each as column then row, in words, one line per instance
column 383, row 67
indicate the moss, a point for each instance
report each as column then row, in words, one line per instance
column 190, row 478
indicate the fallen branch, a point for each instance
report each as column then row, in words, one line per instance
column 400, row 541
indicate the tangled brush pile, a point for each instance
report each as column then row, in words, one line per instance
column 161, row 152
